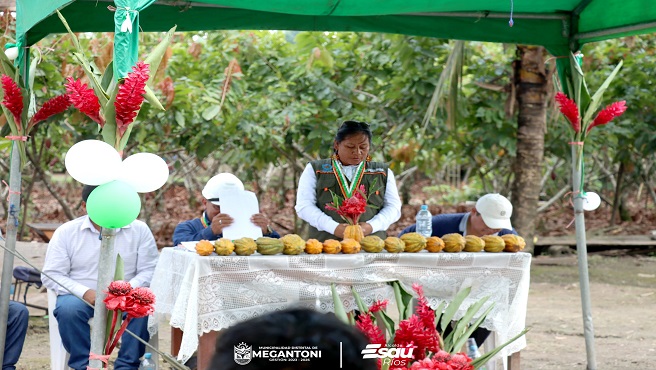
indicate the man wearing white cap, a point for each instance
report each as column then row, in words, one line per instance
column 490, row 216
column 210, row 225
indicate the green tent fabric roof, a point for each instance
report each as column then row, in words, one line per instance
column 559, row 25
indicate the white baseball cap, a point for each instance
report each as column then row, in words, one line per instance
column 221, row 184
column 495, row 209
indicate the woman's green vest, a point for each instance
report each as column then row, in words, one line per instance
column 326, row 181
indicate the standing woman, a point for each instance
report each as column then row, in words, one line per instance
column 347, row 169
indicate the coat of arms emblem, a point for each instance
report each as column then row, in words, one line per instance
column 243, row 353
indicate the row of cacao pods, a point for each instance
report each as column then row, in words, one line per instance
column 292, row 244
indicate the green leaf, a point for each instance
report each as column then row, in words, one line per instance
column 155, row 57
column 109, row 129
column 477, row 363
column 389, row 324
column 210, row 112
column 403, row 300
column 108, row 77
column 453, row 307
column 120, row 268
column 596, row 98
column 340, row 312
column 358, row 300
column 152, row 99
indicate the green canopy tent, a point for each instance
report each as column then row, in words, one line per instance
column 560, row 26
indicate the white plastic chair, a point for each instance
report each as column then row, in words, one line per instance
column 58, row 354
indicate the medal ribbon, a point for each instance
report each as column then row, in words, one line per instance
column 348, row 188
column 204, row 221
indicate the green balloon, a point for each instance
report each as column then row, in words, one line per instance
column 113, row 205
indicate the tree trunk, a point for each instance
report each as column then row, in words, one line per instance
column 531, row 80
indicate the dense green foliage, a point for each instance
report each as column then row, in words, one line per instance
column 252, row 99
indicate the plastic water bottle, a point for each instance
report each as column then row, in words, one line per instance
column 472, row 349
column 424, row 221
column 147, row 363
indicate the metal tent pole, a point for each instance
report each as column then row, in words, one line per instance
column 582, row 254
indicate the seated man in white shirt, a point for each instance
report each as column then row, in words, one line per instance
column 72, row 260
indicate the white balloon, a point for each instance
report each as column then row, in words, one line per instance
column 145, row 172
column 11, row 53
column 93, row 162
column 591, row 201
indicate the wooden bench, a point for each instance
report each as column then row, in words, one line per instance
column 44, row 230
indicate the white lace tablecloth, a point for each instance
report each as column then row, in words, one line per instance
column 205, row 293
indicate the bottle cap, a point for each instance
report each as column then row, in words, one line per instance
column 424, row 207
column 147, row 355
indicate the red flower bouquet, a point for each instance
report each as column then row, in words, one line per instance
column 415, row 341
column 122, row 298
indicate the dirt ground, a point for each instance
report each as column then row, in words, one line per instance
column 623, row 291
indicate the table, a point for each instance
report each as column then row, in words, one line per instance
column 204, row 294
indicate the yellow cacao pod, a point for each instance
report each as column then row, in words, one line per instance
column 245, row 246
column 294, row 244
column 434, row 244
column 353, row 232
column 269, row 246
column 332, row 246
column 224, row 247
column 350, row 246
column 473, row 243
column 394, row 244
column 414, row 242
column 493, row 243
column 453, row 243
column 313, row 246
column 204, row 248
column 514, row 243
column 372, row 243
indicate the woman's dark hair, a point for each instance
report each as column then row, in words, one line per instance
column 349, row 128
column 86, row 191
column 297, row 327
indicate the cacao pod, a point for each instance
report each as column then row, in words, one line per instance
column 332, row 246
column 473, row 243
column 269, row 246
column 204, row 248
column 353, row 232
column 313, row 246
column 493, row 243
column 434, row 244
column 294, row 244
column 350, row 246
column 372, row 243
column 394, row 244
column 245, row 246
column 453, row 243
column 414, row 242
column 514, row 243
column 224, row 247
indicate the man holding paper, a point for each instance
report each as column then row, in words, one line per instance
column 227, row 191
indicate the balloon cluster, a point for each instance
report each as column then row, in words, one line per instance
column 115, row 202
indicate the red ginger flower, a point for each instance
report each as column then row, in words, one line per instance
column 570, row 110
column 378, row 306
column 444, row 361
column 366, row 325
column 423, row 310
column 117, row 295
column 130, row 96
column 413, row 331
column 56, row 105
column 84, row 99
column 13, row 99
column 607, row 114
column 351, row 208
column 141, row 302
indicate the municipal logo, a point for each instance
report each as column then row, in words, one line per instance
column 243, row 353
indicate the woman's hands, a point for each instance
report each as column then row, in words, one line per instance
column 366, row 229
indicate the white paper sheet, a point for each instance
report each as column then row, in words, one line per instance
column 241, row 205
